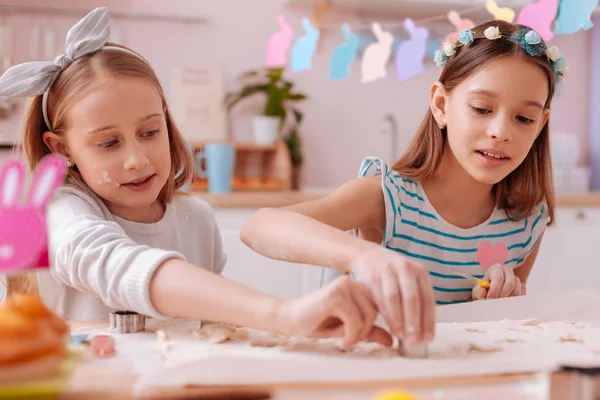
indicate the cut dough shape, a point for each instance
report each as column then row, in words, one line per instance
column 570, row 338
column 477, row 330
column 240, row 334
column 216, row 333
column 220, row 336
column 517, row 330
column 265, row 341
column 476, row 348
column 162, row 340
column 576, row 325
column 511, row 340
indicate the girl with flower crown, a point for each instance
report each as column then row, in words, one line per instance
column 472, row 194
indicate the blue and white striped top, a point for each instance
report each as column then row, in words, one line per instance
column 414, row 229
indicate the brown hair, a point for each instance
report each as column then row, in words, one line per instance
column 69, row 87
column 531, row 182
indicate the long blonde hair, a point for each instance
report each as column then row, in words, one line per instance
column 70, row 87
column 531, row 182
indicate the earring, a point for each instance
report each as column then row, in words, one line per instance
column 69, row 164
column 441, row 125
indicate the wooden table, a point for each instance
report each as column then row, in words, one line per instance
column 115, row 379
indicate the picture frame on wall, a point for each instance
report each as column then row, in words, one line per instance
column 197, row 103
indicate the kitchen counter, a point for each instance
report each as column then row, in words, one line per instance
column 275, row 199
column 259, row 199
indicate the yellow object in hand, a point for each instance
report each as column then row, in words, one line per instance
column 480, row 282
column 395, row 395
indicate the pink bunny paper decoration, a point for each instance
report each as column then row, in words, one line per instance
column 376, row 55
column 459, row 23
column 278, row 45
column 539, row 16
column 23, row 236
column 410, row 54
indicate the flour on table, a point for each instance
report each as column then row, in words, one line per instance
column 487, row 341
column 570, row 338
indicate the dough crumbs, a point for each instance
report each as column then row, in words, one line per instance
column 517, row 330
column 266, row 341
column 476, row 330
column 162, row 340
column 511, row 340
column 475, row 348
column 240, row 334
column 216, row 333
column 532, row 322
column 570, row 338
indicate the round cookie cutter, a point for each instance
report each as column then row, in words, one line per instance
column 127, row 322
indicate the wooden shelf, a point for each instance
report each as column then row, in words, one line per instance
column 241, row 146
column 258, row 199
column 273, row 163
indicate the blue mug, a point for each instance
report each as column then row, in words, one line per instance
column 219, row 161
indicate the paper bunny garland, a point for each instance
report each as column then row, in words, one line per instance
column 23, row 234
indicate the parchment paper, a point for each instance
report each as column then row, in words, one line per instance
column 568, row 331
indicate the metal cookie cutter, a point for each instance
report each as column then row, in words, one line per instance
column 127, row 322
column 417, row 351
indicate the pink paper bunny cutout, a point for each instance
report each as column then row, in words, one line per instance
column 376, row 55
column 278, row 45
column 459, row 23
column 23, row 235
column 539, row 16
column 410, row 54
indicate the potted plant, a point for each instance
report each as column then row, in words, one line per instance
column 279, row 98
column 294, row 144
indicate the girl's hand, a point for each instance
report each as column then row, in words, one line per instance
column 503, row 283
column 340, row 309
column 401, row 290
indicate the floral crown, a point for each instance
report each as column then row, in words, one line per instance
column 527, row 38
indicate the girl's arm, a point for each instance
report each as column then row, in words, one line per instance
column 523, row 271
column 342, row 308
column 314, row 233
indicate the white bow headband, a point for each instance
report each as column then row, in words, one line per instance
column 35, row 78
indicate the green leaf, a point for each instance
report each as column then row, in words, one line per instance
column 298, row 116
column 249, row 74
column 246, row 92
column 275, row 73
column 297, row 97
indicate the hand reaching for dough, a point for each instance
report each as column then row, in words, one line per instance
column 340, row 309
column 503, row 283
column 402, row 291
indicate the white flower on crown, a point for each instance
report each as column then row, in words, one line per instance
column 553, row 53
column 492, row 33
column 449, row 48
column 564, row 72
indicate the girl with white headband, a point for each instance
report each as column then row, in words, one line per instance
column 120, row 235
